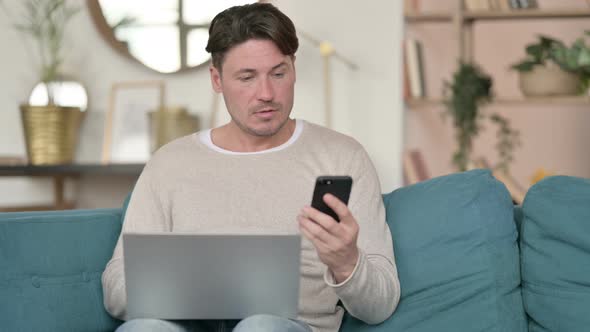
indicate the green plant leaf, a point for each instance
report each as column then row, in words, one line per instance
column 535, row 51
column 525, row 65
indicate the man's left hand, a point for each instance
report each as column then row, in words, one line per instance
column 335, row 242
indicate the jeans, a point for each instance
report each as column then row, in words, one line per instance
column 262, row 323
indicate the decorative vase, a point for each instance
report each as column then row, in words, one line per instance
column 51, row 133
column 169, row 123
column 548, row 80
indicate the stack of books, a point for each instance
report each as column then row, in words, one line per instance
column 499, row 5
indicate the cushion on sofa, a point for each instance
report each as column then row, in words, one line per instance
column 555, row 249
column 457, row 257
column 50, row 269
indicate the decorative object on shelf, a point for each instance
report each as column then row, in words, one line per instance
column 540, row 174
column 126, row 131
column 327, row 51
column 168, row 123
column 50, row 120
column 498, row 5
column 464, row 96
column 553, row 69
column 64, row 92
column 414, row 82
column 415, row 169
column 516, row 190
column 411, row 6
column 164, row 36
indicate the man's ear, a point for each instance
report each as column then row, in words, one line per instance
column 215, row 78
column 294, row 71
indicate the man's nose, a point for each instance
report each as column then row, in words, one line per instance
column 265, row 90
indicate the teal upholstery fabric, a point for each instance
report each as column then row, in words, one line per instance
column 555, row 254
column 457, row 257
column 50, row 269
column 518, row 217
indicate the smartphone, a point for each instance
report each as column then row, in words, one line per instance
column 338, row 186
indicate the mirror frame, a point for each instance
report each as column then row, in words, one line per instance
column 109, row 36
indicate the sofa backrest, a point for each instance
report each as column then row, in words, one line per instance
column 50, row 269
column 457, row 257
column 555, row 254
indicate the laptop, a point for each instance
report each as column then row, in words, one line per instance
column 211, row 276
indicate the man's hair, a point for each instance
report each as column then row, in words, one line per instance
column 239, row 24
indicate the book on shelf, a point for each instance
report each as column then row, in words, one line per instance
column 411, row 6
column 415, row 169
column 498, row 5
column 407, row 94
column 523, row 4
column 527, row 4
column 504, row 5
column 476, row 5
column 414, row 65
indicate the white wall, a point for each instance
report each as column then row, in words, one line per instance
column 367, row 102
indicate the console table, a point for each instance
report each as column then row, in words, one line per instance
column 59, row 173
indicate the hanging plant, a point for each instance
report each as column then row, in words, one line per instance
column 469, row 90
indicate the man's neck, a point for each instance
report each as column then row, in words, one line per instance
column 230, row 137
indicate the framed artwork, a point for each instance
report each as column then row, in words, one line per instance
column 126, row 130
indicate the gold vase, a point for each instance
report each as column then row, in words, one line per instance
column 51, row 133
column 169, row 123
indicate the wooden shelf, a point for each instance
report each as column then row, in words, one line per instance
column 429, row 17
column 59, row 173
column 520, row 14
column 574, row 100
column 423, row 102
column 527, row 14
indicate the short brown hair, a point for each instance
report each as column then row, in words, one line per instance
column 239, row 24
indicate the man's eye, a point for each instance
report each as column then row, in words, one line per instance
column 279, row 75
column 246, row 78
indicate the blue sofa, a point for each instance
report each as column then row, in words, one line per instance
column 468, row 260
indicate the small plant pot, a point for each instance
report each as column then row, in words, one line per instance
column 544, row 81
column 51, row 133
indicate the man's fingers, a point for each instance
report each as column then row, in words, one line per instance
column 338, row 206
column 315, row 231
column 325, row 221
column 317, row 243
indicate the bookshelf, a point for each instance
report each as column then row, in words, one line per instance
column 574, row 100
column 553, row 129
column 429, row 17
column 522, row 14
column 463, row 21
column 470, row 17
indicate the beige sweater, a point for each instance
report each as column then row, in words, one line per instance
column 189, row 187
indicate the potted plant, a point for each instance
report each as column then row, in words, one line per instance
column 51, row 130
column 469, row 90
column 551, row 68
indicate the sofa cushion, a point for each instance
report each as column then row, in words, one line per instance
column 555, row 249
column 50, row 269
column 457, row 257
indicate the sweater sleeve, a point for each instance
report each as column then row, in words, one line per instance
column 372, row 291
column 145, row 213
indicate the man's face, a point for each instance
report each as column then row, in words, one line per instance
column 257, row 82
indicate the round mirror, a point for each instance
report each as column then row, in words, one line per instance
column 63, row 93
column 167, row 36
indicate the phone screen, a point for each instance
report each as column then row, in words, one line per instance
column 339, row 186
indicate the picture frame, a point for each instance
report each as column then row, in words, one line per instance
column 126, row 132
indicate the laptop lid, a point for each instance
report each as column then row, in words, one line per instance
column 211, row 276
